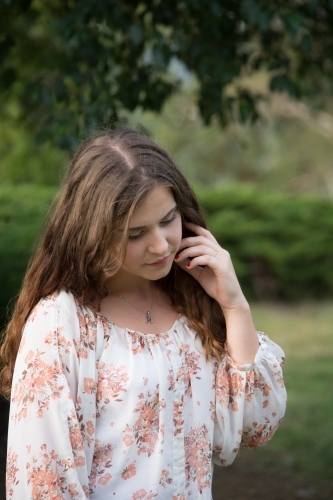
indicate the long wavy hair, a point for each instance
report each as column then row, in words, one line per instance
column 109, row 175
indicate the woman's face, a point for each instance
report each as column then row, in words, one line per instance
column 155, row 233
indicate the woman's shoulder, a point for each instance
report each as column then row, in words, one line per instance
column 58, row 304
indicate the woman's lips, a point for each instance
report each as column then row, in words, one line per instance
column 160, row 262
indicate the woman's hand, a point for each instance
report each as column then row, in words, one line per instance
column 211, row 266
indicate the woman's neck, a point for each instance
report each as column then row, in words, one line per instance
column 131, row 286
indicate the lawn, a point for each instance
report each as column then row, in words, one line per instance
column 305, row 439
column 298, row 462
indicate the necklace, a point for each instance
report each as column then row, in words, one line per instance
column 148, row 316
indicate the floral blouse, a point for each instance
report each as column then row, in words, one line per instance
column 101, row 412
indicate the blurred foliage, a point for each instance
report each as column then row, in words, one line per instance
column 289, row 150
column 280, row 246
column 22, row 210
column 73, row 65
column 24, row 161
column 303, row 441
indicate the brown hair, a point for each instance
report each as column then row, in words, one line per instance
column 106, row 179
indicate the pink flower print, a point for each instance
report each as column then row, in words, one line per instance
column 129, row 472
column 102, row 460
column 90, row 427
column 192, row 361
column 72, row 490
column 89, row 385
column 11, row 471
column 178, row 417
column 82, row 353
column 198, row 457
column 165, row 479
column 171, row 381
column 138, row 343
column 38, row 384
column 47, row 476
column 75, row 434
column 258, row 435
column 80, row 461
column 127, row 440
column 146, row 428
column 63, row 344
column 254, row 382
column 229, row 387
column 222, row 388
column 76, row 438
column 112, row 381
column 139, row 494
column 212, row 410
column 104, row 479
column 87, row 339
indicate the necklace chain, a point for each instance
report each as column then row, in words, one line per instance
column 148, row 316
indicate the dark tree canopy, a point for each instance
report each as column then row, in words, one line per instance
column 74, row 64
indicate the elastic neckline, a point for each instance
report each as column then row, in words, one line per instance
column 132, row 331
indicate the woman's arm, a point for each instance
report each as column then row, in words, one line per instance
column 47, row 445
column 211, row 266
column 250, row 393
column 250, row 401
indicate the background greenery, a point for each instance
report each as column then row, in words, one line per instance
column 72, row 65
column 297, row 463
column 266, row 185
column 304, row 441
column 279, row 248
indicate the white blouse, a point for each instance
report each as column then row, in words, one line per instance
column 101, row 412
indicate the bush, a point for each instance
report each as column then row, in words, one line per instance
column 22, row 210
column 280, row 245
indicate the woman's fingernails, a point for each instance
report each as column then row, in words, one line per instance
column 188, row 264
column 177, row 256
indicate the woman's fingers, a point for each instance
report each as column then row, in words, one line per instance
column 191, row 241
column 194, row 271
column 195, row 251
column 200, row 231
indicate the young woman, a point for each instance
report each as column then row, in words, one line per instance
column 139, row 363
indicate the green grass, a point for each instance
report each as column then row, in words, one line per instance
column 304, row 441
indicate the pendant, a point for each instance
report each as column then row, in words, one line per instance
column 149, row 318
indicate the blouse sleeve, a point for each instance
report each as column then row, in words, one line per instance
column 50, row 446
column 250, row 401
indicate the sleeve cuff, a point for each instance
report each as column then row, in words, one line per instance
column 257, row 359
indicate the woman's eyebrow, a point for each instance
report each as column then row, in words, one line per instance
column 165, row 216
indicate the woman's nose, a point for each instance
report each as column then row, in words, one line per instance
column 158, row 243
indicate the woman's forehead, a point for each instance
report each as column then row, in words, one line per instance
column 156, row 205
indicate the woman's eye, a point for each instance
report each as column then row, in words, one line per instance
column 135, row 236
column 164, row 223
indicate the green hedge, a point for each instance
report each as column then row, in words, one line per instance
column 280, row 246
column 22, row 210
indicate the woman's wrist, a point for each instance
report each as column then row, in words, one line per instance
column 241, row 307
column 242, row 338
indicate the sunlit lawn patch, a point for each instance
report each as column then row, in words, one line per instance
column 304, row 442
